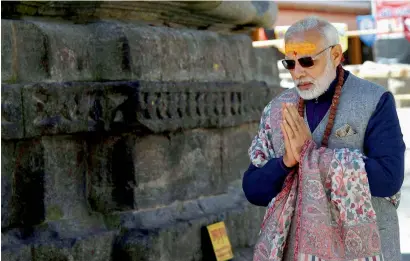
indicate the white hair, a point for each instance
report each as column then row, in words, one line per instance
column 329, row 33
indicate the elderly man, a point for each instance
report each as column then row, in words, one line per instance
column 328, row 159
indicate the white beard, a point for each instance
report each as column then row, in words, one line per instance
column 320, row 85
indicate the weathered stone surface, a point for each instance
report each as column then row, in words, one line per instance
column 97, row 247
column 62, row 108
column 188, row 237
column 17, row 253
column 112, row 52
column 8, row 163
column 64, row 180
column 12, row 118
column 22, row 184
column 178, row 211
column 151, row 106
column 243, row 226
column 264, row 66
column 175, row 54
column 12, row 126
column 243, row 254
column 99, row 51
column 28, row 184
column 235, row 145
column 214, row 15
column 24, row 53
column 185, row 166
column 110, row 176
column 164, row 107
column 71, row 51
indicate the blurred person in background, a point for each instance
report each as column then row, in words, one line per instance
column 328, row 159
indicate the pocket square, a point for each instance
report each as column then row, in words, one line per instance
column 344, row 131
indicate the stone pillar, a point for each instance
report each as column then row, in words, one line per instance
column 123, row 138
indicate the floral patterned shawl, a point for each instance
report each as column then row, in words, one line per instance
column 329, row 194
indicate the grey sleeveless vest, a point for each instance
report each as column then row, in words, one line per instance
column 358, row 101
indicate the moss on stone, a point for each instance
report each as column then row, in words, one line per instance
column 54, row 213
column 26, row 9
column 12, row 79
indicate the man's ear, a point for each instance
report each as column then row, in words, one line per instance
column 336, row 55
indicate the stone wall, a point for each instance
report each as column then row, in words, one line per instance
column 121, row 141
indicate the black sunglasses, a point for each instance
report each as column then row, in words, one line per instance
column 305, row 62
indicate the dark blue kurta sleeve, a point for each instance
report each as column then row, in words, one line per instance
column 261, row 185
column 384, row 148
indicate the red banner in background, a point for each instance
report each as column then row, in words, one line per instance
column 392, row 8
column 406, row 23
column 389, row 16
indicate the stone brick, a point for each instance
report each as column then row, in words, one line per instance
column 12, row 112
column 62, row 108
column 95, row 247
column 118, row 51
column 237, row 51
column 22, row 183
column 110, row 174
column 179, row 55
column 235, row 145
column 243, row 226
column 264, row 66
column 185, row 240
column 8, row 163
column 71, row 51
column 225, row 16
column 17, row 253
column 64, row 180
column 24, row 53
column 112, row 52
column 178, row 211
column 29, row 183
column 72, row 107
column 185, row 166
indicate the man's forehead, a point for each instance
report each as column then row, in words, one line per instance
column 300, row 49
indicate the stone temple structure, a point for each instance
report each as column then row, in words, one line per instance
column 125, row 127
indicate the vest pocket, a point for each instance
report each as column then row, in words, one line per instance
column 352, row 141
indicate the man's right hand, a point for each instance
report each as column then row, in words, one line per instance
column 288, row 159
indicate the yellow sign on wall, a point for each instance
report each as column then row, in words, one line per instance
column 341, row 27
column 220, row 241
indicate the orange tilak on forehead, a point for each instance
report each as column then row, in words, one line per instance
column 300, row 48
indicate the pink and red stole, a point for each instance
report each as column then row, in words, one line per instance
column 329, row 193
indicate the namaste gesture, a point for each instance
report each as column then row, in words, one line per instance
column 295, row 133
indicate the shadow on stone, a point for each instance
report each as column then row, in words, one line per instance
column 29, row 189
column 123, row 175
column 206, row 246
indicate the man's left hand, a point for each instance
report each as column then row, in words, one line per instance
column 296, row 129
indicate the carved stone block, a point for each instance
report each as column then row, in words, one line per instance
column 163, row 106
column 11, row 112
column 62, row 108
column 145, row 106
